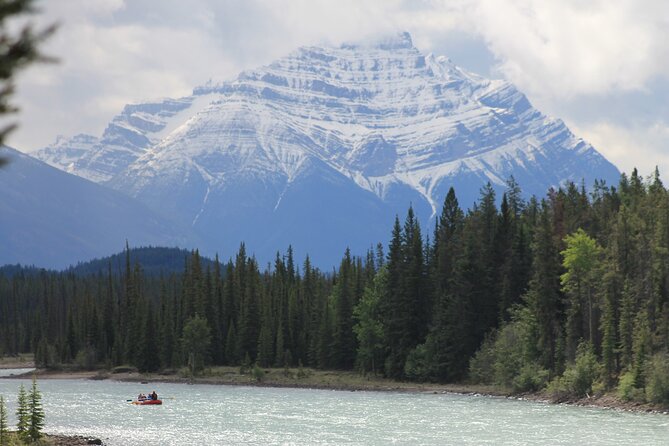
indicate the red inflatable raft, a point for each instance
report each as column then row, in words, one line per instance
column 147, row 402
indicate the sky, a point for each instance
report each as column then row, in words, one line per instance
column 601, row 66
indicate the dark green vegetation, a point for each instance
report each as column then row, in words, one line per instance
column 30, row 416
column 154, row 260
column 18, row 48
column 569, row 293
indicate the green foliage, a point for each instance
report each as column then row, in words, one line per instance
column 530, row 378
column 657, row 379
column 369, row 327
column 416, row 367
column 626, row 389
column 46, row 356
column 22, row 413
column 641, row 348
column 35, row 412
column 196, row 339
column 581, row 260
column 579, row 377
column 4, row 432
column 301, row 372
column 586, row 370
column 490, row 294
column 86, row 358
column 506, row 357
column 482, row 364
column 245, row 366
column 258, row 373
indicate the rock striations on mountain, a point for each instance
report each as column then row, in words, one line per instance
column 322, row 148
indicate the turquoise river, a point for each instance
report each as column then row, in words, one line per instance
column 237, row 415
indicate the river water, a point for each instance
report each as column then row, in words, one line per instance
column 221, row 415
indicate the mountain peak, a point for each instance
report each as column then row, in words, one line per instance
column 388, row 42
column 367, row 128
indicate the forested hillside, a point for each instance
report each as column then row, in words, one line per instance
column 569, row 291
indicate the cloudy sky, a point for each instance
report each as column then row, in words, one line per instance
column 600, row 65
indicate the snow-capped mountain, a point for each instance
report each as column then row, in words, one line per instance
column 321, row 148
column 52, row 219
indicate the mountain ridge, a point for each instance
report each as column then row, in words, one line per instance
column 53, row 219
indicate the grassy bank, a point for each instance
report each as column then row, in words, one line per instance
column 301, row 378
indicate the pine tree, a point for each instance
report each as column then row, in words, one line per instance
column 342, row 297
column 462, row 329
column 642, row 349
column 148, row 359
column 231, row 356
column 611, row 290
column 543, row 297
column 626, row 325
column 265, row 356
column 35, row 412
column 4, row 433
column 392, row 308
column 22, row 413
column 369, row 327
column 280, row 347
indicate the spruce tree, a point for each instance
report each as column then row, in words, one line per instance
column 22, row 413
column 611, row 297
column 626, row 325
column 543, row 297
column 344, row 346
column 642, row 349
column 231, row 355
column 4, row 432
column 265, row 356
column 369, row 326
column 35, row 412
column 392, row 308
column 280, row 347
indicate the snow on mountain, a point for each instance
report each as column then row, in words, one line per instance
column 52, row 219
column 321, row 148
column 129, row 135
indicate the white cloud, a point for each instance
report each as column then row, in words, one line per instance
column 641, row 145
column 115, row 52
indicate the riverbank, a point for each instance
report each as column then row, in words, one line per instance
column 23, row 361
column 58, row 440
column 66, row 440
column 342, row 381
column 353, row 381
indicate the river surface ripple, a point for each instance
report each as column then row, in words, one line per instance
column 222, row 415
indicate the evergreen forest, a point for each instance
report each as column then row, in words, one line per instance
column 568, row 292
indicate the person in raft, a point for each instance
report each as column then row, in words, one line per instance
column 141, row 397
column 154, row 395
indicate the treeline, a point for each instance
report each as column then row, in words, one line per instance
column 570, row 291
